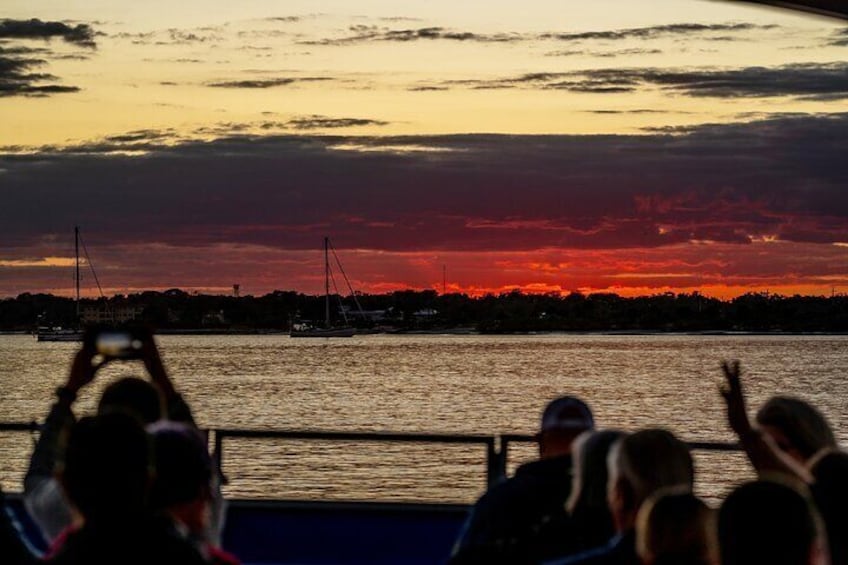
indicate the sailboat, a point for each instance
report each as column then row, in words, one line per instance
column 67, row 334
column 328, row 330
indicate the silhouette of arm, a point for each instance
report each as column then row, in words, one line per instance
column 43, row 496
column 178, row 409
column 761, row 450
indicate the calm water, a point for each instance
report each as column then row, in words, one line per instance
column 445, row 384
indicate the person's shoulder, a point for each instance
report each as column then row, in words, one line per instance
column 494, row 490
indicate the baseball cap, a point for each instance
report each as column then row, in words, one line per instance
column 567, row 413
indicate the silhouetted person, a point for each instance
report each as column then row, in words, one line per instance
column 183, row 488
column 148, row 401
column 769, row 522
column 639, row 465
column 793, row 439
column 587, row 521
column 674, row 527
column 504, row 522
column 796, row 426
column 788, row 434
column 106, row 474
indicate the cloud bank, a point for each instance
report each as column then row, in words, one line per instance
column 18, row 62
column 805, row 81
column 758, row 203
column 80, row 34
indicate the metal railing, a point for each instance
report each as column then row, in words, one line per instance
column 497, row 446
column 492, row 457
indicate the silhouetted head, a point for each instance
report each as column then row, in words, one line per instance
column 136, row 396
column 183, row 465
column 106, row 467
column 589, row 483
column 797, row 427
column 674, row 527
column 639, row 465
column 767, row 522
column 562, row 421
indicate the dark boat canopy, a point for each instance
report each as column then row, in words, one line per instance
column 833, row 8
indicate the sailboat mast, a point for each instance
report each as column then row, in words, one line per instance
column 77, row 268
column 326, row 282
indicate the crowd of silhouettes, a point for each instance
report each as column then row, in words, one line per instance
column 135, row 484
column 629, row 497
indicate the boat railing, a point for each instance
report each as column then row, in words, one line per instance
column 497, row 447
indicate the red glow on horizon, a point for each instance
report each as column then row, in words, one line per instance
column 716, row 270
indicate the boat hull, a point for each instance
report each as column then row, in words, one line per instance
column 324, row 332
column 59, row 335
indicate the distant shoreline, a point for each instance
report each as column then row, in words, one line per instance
column 472, row 332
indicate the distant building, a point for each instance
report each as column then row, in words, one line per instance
column 370, row 315
column 214, row 318
column 105, row 314
column 426, row 313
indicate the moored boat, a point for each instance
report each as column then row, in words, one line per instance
column 303, row 329
column 58, row 334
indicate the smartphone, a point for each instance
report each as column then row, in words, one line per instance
column 118, row 344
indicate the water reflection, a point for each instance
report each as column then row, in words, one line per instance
column 444, row 384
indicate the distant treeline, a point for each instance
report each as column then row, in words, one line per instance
column 429, row 310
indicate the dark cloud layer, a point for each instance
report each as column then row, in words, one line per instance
column 363, row 33
column 323, row 122
column 840, row 38
column 18, row 62
column 264, row 83
column 781, row 179
column 653, row 32
column 17, row 78
column 812, row 81
column 80, row 34
column 604, row 54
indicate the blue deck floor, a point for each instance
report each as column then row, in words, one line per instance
column 312, row 532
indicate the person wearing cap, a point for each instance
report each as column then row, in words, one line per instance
column 504, row 523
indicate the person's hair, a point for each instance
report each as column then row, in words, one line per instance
column 183, row 465
column 105, row 469
column 766, row 521
column 589, row 484
column 136, row 396
column 673, row 527
column 648, row 460
column 802, row 424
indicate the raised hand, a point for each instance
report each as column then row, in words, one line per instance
column 737, row 415
column 155, row 367
column 83, row 368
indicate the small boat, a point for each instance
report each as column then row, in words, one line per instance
column 56, row 333
column 305, row 329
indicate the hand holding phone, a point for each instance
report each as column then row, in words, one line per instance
column 118, row 344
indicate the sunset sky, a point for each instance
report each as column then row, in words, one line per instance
column 622, row 146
